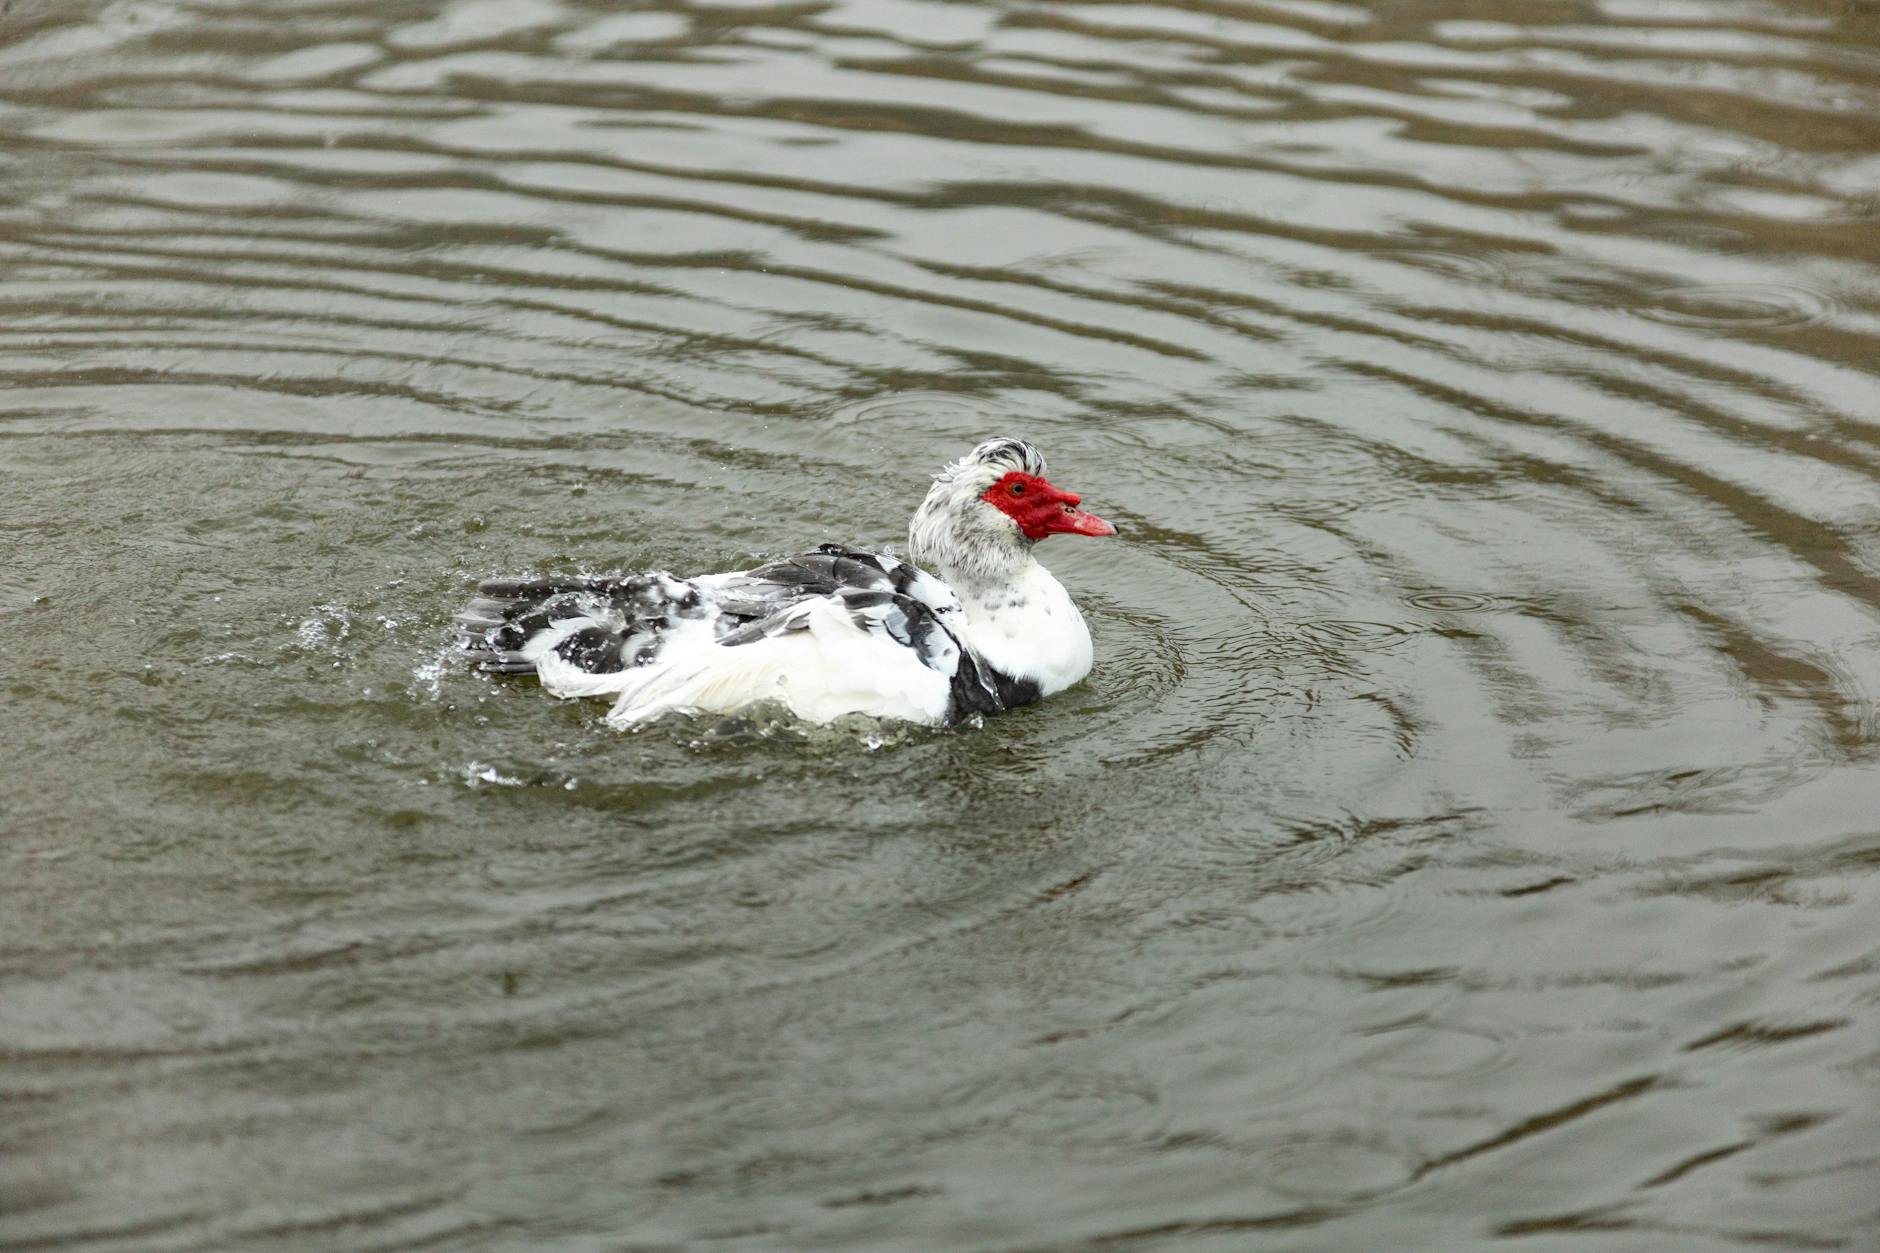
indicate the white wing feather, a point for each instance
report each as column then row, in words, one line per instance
column 820, row 662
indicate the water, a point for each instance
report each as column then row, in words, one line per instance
column 1471, row 829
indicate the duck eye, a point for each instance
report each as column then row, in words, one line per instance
column 1018, row 489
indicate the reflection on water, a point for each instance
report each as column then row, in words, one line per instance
column 1468, row 831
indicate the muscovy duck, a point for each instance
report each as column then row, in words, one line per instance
column 973, row 626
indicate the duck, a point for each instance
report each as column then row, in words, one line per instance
column 969, row 624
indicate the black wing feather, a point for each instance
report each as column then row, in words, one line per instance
column 507, row 613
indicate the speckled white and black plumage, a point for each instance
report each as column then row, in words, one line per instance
column 975, row 627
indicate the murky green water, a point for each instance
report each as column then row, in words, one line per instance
column 1471, row 830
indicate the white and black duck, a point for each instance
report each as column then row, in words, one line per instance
column 973, row 625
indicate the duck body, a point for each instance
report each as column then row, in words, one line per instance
column 831, row 632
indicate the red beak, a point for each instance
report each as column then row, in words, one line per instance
column 1074, row 521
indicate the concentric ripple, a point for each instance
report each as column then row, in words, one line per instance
column 1760, row 307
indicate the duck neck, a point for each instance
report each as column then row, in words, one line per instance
column 977, row 552
column 1018, row 618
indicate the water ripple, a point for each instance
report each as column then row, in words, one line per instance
column 1761, row 307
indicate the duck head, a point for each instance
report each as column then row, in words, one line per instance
column 985, row 511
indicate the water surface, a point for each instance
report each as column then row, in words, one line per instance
column 1470, row 833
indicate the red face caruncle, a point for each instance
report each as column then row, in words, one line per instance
column 1041, row 509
